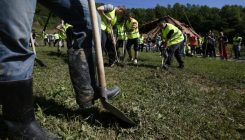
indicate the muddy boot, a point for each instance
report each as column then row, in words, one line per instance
column 80, row 76
column 83, row 77
column 18, row 112
column 110, row 92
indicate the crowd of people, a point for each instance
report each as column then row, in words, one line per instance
column 119, row 29
column 210, row 45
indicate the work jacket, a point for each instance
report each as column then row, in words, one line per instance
column 177, row 36
column 129, row 25
column 105, row 25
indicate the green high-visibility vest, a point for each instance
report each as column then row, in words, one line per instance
column 177, row 36
column 105, row 25
column 135, row 33
column 121, row 34
column 237, row 40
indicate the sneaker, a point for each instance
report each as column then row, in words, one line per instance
column 135, row 61
column 165, row 67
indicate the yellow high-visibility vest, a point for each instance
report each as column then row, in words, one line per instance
column 56, row 36
column 105, row 25
column 135, row 33
column 121, row 34
column 237, row 40
column 177, row 36
column 66, row 26
column 141, row 40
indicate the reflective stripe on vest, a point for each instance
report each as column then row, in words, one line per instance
column 177, row 36
column 121, row 34
column 135, row 33
column 105, row 26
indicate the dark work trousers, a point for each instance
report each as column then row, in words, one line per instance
column 213, row 51
column 107, row 46
column 121, row 44
column 174, row 50
column 236, row 51
column 130, row 43
column 141, row 47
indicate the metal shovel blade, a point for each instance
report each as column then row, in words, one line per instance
column 116, row 112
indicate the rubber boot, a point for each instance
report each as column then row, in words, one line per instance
column 18, row 112
column 83, row 77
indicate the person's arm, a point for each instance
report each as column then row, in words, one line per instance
column 105, row 9
column 134, row 26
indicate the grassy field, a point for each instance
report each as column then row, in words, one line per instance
column 206, row 100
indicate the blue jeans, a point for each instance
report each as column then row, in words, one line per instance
column 236, row 49
column 16, row 17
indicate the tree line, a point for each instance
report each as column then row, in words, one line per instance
column 230, row 18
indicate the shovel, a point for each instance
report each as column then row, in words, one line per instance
column 114, row 42
column 100, row 67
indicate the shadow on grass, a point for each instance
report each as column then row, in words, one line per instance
column 144, row 66
column 93, row 116
column 60, row 55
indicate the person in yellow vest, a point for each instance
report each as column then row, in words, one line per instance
column 109, row 15
column 174, row 39
column 62, row 28
column 237, row 41
column 56, row 38
column 121, row 38
column 45, row 38
column 133, row 37
column 141, row 42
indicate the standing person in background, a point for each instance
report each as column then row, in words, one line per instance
column 109, row 16
column 148, row 44
column 34, row 36
column 62, row 28
column 121, row 38
column 237, row 41
column 158, row 42
column 193, row 42
column 183, row 48
column 141, row 42
column 56, row 38
column 211, row 44
column 174, row 39
column 200, row 43
column 45, row 38
column 223, row 40
column 132, row 28
column 50, row 39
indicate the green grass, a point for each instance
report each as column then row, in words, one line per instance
column 206, row 100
